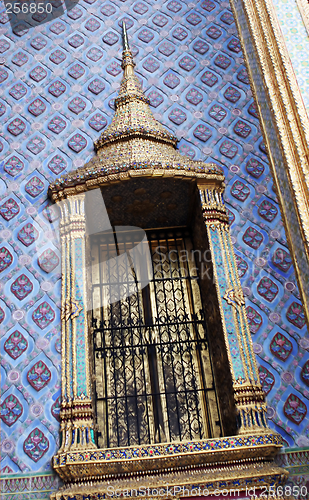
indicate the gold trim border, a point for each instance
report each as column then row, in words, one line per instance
column 289, row 118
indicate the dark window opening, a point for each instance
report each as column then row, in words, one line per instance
column 153, row 371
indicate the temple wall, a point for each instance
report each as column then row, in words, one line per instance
column 58, row 82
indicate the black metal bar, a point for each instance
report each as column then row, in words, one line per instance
column 182, row 335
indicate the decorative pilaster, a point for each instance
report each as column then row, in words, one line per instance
column 76, row 415
column 248, row 395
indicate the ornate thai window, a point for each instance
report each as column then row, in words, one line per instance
column 159, row 378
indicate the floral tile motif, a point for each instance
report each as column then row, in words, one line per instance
column 9, row 209
column 36, row 145
column 20, row 59
column 34, row 186
column 4, row 46
column 281, row 347
column 208, row 5
column 39, row 17
column 48, row 261
column 231, row 94
column 242, row 129
column 96, row 86
column 51, row 213
column 110, row 38
column 37, row 107
column 227, row 18
column 180, row 34
column 38, row 74
column 2, row 109
column 146, row 35
column 267, row 289
column 217, row 112
column 242, row 266
column 113, row 68
column 16, row 126
column 228, row 149
column 95, row 54
column 155, row 98
column 209, row 78
column 171, row 80
column 240, row 191
column 55, row 409
column 268, row 210
column 57, row 88
column 253, row 238
column 43, row 315
column 3, row 75
column 28, row 234
column 151, row 64
column 295, row 315
column 231, row 216
column 15, row 345
column 243, row 77
column 76, row 41
column 6, row 259
column 75, row 13
column 160, row 20
column 174, row 6
column 305, row 373
column 194, row 96
column 202, row 133
column 77, row 143
column 252, row 110
column 201, row 47
column 97, row 122
column 255, row 168
column 2, row 315
column 39, row 375
column 11, row 410
column 294, row 409
column 38, row 43
column 21, row 287
column 57, row 57
column 57, row 28
column 254, row 320
column 187, row 63
column 92, row 24
column 194, row 19
column 282, row 260
column 57, row 164
column 214, row 32
column 186, row 150
column 36, row 445
column 108, row 10
column 234, row 46
column 267, row 379
column 77, row 105
column 76, row 71
column 18, row 91
column 56, row 125
column 177, row 116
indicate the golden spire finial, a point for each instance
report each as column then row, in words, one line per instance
column 125, row 37
column 127, row 57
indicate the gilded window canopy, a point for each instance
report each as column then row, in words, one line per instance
column 146, row 182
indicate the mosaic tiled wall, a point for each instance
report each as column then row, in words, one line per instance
column 58, row 82
column 297, row 42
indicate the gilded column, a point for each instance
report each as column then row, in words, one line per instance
column 248, row 395
column 77, row 419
